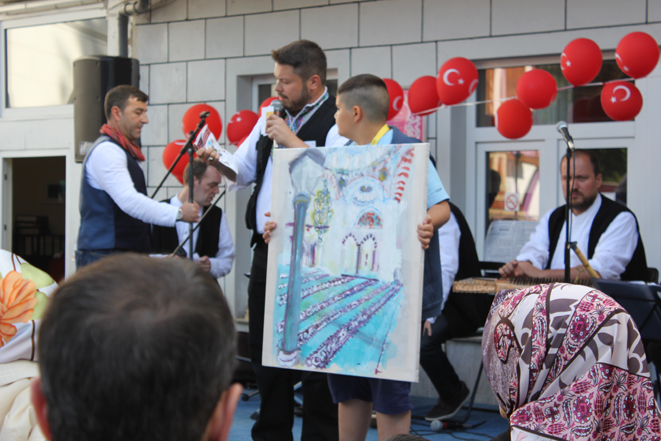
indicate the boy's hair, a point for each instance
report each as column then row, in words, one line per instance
column 368, row 92
column 305, row 56
column 135, row 348
column 119, row 96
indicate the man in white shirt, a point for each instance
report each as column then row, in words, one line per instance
column 300, row 73
column 212, row 241
column 115, row 211
column 606, row 232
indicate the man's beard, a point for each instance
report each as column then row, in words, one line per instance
column 587, row 203
column 295, row 106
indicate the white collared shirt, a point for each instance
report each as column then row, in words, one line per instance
column 107, row 170
column 611, row 255
column 448, row 238
column 245, row 161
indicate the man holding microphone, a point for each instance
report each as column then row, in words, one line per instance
column 300, row 72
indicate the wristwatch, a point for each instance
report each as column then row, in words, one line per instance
column 180, row 215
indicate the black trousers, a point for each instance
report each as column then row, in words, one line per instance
column 435, row 362
column 276, row 386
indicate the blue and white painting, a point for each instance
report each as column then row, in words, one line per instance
column 345, row 266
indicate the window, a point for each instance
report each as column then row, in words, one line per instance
column 39, row 60
column 574, row 105
column 513, row 185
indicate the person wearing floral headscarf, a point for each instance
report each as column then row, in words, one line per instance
column 567, row 362
column 24, row 292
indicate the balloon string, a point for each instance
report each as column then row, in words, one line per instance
column 475, row 103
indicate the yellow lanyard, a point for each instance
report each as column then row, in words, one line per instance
column 380, row 134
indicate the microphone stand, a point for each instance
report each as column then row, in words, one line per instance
column 198, row 224
column 568, row 211
column 188, row 147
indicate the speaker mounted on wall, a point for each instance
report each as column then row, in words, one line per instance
column 93, row 77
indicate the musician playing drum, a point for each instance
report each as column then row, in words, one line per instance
column 606, row 232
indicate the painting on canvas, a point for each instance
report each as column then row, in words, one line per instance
column 345, row 266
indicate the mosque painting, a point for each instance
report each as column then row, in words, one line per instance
column 345, row 270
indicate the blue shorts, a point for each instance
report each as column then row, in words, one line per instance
column 390, row 397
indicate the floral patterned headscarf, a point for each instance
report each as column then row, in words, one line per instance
column 567, row 362
column 24, row 292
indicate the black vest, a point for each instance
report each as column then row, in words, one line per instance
column 165, row 239
column 466, row 312
column 315, row 129
column 637, row 267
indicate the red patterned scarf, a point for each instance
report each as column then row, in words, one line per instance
column 133, row 149
column 567, row 362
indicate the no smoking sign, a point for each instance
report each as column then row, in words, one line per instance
column 511, row 202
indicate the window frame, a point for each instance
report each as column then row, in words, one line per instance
column 39, row 112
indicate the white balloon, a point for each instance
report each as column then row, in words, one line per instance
column 625, row 88
column 445, row 76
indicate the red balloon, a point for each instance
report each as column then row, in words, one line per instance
column 456, row 80
column 238, row 144
column 513, row 119
column 396, row 94
column 621, row 100
column 423, row 98
column 637, row 54
column 170, row 154
column 192, row 118
column 240, row 125
column 266, row 102
column 537, row 89
column 581, row 61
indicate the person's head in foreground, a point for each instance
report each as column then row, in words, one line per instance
column 362, row 107
column 133, row 348
column 567, row 362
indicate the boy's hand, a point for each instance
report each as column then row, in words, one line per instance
column 426, row 328
column 425, row 232
column 268, row 227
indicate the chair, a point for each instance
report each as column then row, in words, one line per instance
column 652, row 275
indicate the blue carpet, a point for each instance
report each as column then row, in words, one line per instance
column 493, row 424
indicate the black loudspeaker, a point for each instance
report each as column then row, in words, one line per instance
column 93, row 77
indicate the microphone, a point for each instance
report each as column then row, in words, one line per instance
column 437, row 425
column 561, row 127
column 279, row 110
